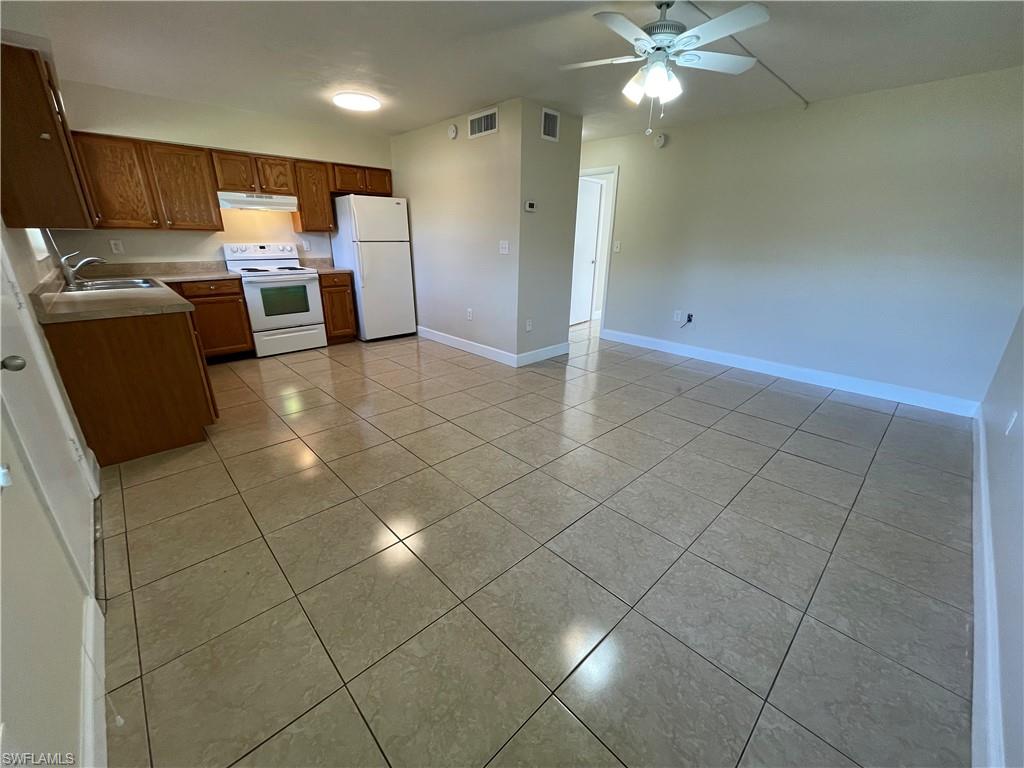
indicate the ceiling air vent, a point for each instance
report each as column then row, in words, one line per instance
column 549, row 120
column 483, row 123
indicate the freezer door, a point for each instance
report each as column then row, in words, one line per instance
column 379, row 218
column 384, row 296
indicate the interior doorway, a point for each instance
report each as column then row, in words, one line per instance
column 595, row 208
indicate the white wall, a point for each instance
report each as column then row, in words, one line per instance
column 550, row 176
column 109, row 110
column 1000, row 607
column 144, row 245
column 463, row 198
column 876, row 236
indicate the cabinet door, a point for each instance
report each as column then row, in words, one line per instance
column 185, row 186
column 313, row 189
column 339, row 313
column 349, row 178
column 235, row 172
column 378, row 181
column 223, row 324
column 276, row 175
column 116, row 177
column 40, row 184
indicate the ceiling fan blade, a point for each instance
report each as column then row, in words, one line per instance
column 625, row 28
column 715, row 62
column 744, row 17
column 601, row 62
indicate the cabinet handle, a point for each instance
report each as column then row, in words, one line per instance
column 155, row 221
column 168, row 222
column 252, row 186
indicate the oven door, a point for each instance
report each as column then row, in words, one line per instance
column 283, row 302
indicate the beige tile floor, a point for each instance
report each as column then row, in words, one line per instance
column 398, row 553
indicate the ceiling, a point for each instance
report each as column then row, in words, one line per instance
column 430, row 60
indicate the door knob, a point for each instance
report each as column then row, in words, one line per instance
column 13, row 363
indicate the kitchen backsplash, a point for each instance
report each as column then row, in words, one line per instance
column 146, row 246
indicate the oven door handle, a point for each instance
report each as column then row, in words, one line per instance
column 284, row 279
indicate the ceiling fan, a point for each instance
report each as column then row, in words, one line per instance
column 665, row 42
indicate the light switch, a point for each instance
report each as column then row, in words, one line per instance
column 616, row 246
column 503, row 247
column 117, row 247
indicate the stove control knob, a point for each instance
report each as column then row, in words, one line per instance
column 234, row 249
column 288, row 248
column 245, row 248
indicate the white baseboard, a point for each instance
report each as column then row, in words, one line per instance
column 535, row 356
column 987, row 732
column 92, row 747
column 492, row 353
column 908, row 395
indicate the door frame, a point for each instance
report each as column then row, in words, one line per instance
column 606, row 229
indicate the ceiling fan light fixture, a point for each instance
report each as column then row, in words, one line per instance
column 634, row 89
column 672, row 90
column 657, row 79
column 356, row 102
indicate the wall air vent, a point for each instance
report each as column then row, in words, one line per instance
column 549, row 120
column 483, row 123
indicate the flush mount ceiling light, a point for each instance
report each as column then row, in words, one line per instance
column 357, row 102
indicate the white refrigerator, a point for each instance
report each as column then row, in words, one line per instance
column 373, row 241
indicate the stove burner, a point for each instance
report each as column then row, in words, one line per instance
column 253, row 269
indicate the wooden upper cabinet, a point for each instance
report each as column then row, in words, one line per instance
column 348, row 178
column 235, row 172
column 117, row 180
column 185, row 186
column 378, row 181
column 40, row 184
column 276, row 175
column 312, row 185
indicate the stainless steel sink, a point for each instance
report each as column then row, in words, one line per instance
column 118, row 284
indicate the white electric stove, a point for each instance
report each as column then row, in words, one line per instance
column 283, row 297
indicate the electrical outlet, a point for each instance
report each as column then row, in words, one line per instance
column 469, row 313
column 529, row 325
column 677, row 315
column 117, row 247
column 504, row 248
column 616, row 246
column 306, row 246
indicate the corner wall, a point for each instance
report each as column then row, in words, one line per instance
column 999, row 576
column 550, row 176
column 463, row 199
column 877, row 236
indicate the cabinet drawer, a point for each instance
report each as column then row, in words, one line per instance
column 211, row 288
column 335, row 279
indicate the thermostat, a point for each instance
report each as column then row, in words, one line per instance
column 530, row 205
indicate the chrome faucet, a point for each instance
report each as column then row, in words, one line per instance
column 71, row 271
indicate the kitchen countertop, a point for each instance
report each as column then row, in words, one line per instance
column 52, row 305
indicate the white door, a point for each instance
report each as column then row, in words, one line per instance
column 379, row 218
column 40, row 416
column 584, row 257
column 384, row 295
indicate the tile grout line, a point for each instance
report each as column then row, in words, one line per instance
column 804, row 615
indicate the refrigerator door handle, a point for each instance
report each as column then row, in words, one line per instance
column 362, row 274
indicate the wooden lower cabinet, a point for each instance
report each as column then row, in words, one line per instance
column 339, row 307
column 138, row 385
column 221, row 317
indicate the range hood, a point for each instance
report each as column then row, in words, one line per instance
column 256, row 202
